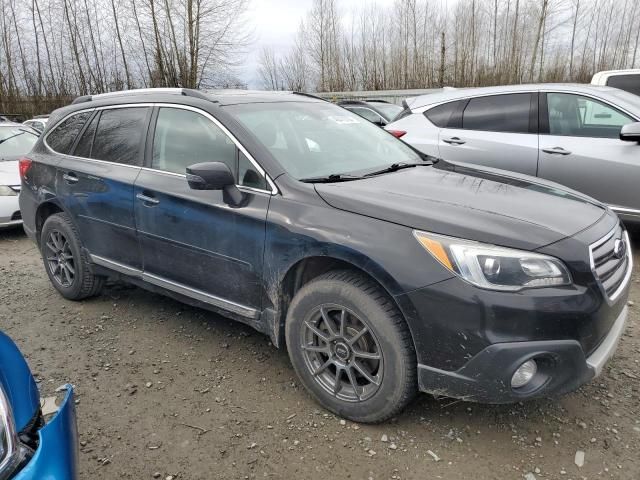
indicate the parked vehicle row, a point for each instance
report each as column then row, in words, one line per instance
column 16, row 140
column 583, row 137
column 382, row 270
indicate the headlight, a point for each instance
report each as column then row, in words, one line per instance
column 493, row 267
column 9, row 447
column 7, row 191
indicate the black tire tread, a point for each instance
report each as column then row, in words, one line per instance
column 91, row 284
column 407, row 347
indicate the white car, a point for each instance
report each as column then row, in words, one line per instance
column 15, row 140
column 628, row 80
column 38, row 122
column 582, row 136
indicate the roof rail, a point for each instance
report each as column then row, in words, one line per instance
column 187, row 92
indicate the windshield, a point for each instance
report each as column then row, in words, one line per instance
column 321, row 139
column 15, row 141
column 389, row 110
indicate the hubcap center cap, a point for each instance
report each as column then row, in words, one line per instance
column 342, row 351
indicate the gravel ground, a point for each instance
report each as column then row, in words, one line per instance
column 173, row 392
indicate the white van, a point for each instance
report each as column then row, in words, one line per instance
column 628, row 80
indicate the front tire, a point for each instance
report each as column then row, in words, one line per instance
column 65, row 262
column 351, row 347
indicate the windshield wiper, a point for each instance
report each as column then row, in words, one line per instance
column 334, row 177
column 394, row 167
column 12, row 136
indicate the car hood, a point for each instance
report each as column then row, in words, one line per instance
column 478, row 204
column 18, row 383
column 9, row 173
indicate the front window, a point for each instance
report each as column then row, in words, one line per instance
column 578, row 116
column 321, row 139
column 16, row 141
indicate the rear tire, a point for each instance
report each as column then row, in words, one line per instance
column 351, row 347
column 65, row 262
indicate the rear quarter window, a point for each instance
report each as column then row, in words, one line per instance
column 119, row 135
column 61, row 138
column 441, row 115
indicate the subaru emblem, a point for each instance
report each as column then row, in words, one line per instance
column 619, row 248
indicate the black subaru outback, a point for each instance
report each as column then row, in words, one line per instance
column 382, row 271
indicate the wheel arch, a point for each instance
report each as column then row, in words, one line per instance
column 44, row 211
column 306, row 269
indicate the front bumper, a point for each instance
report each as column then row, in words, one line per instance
column 9, row 212
column 56, row 456
column 562, row 367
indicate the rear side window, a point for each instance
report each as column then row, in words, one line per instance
column 441, row 115
column 62, row 137
column 366, row 113
column 630, row 83
column 119, row 135
column 498, row 113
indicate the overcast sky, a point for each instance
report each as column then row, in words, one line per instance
column 275, row 23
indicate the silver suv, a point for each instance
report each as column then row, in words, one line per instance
column 582, row 136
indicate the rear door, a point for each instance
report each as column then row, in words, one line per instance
column 192, row 241
column 95, row 183
column 580, row 148
column 498, row 131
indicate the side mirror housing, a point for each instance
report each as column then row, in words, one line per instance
column 216, row 176
column 209, row 176
column 630, row 132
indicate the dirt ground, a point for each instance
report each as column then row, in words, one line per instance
column 173, row 392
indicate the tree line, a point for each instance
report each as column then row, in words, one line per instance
column 52, row 50
column 435, row 43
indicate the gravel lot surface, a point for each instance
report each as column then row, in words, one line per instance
column 173, row 392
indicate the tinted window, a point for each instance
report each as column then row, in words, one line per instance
column 577, row 116
column 441, row 114
column 183, row 138
column 498, row 113
column 61, row 139
column 389, row 110
column 119, row 135
column 83, row 148
column 248, row 175
column 630, row 83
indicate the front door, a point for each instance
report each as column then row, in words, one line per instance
column 192, row 241
column 498, row 131
column 580, row 148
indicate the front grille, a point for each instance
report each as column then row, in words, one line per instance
column 611, row 268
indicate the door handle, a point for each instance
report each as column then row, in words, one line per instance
column 147, row 199
column 453, row 141
column 556, row 151
column 70, row 177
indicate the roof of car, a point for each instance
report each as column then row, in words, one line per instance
column 460, row 93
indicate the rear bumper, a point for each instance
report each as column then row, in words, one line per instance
column 562, row 367
column 57, row 454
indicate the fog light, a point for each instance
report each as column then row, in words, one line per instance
column 524, row 374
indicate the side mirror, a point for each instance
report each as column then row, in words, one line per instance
column 209, row 176
column 215, row 176
column 630, row 132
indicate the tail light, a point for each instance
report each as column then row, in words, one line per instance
column 24, row 164
column 397, row 133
